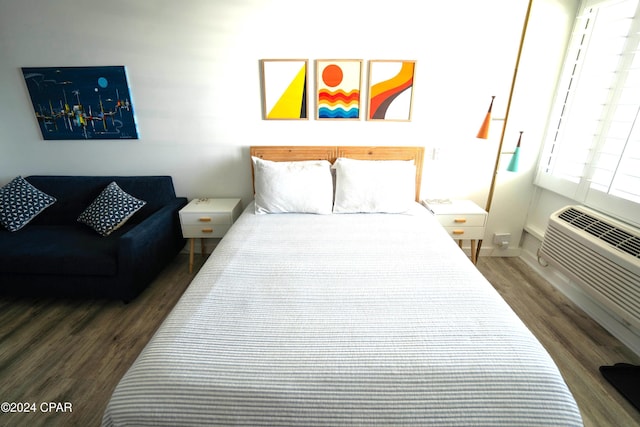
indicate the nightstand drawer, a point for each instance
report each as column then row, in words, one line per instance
column 205, row 230
column 466, row 232
column 462, row 220
column 205, row 218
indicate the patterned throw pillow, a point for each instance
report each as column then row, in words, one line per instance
column 110, row 210
column 20, row 202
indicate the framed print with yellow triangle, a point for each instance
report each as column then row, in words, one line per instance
column 284, row 89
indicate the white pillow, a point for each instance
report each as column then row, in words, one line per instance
column 367, row 186
column 287, row 187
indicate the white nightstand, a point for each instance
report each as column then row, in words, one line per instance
column 207, row 219
column 463, row 219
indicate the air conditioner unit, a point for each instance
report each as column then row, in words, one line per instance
column 601, row 254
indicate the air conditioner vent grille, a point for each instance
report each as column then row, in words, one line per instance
column 614, row 236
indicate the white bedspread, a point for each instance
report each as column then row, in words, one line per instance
column 341, row 320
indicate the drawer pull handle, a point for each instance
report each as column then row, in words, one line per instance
column 460, row 220
column 207, row 230
column 204, row 219
column 458, row 232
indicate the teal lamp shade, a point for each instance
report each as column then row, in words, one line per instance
column 515, row 159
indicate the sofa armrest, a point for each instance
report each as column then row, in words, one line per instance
column 145, row 249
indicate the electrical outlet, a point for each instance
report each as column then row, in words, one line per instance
column 502, row 239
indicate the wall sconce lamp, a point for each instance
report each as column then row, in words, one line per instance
column 516, row 154
column 515, row 159
column 483, row 133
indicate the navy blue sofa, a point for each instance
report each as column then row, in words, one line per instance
column 54, row 255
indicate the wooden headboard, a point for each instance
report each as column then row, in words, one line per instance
column 331, row 153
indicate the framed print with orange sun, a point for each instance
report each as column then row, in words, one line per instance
column 338, row 89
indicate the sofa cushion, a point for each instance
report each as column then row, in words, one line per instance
column 20, row 202
column 59, row 250
column 110, row 210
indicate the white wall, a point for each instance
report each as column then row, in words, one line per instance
column 194, row 75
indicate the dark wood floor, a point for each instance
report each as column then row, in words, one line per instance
column 578, row 345
column 76, row 352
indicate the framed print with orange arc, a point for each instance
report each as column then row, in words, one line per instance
column 284, row 89
column 390, row 90
column 338, row 88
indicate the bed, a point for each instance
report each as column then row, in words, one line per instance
column 366, row 318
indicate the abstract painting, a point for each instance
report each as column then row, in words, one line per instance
column 284, row 89
column 338, row 88
column 390, row 90
column 81, row 102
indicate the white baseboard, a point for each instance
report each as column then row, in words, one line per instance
column 569, row 289
column 500, row 252
column 489, row 250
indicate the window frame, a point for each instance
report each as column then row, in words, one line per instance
column 548, row 175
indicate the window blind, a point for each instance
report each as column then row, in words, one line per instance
column 592, row 148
